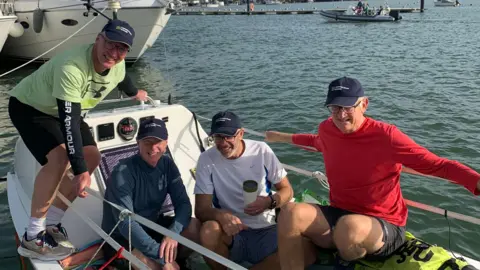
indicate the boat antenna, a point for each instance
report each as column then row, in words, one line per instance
column 90, row 6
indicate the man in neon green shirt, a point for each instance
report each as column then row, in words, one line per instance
column 45, row 108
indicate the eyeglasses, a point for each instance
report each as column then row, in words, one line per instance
column 337, row 109
column 110, row 45
column 220, row 138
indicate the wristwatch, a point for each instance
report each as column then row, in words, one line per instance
column 273, row 204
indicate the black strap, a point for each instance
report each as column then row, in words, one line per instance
column 202, row 149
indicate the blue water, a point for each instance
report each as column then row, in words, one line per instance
column 420, row 74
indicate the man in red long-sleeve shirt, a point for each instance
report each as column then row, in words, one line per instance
column 363, row 161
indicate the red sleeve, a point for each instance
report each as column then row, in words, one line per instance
column 414, row 156
column 311, row 140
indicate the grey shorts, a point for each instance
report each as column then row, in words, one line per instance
column 393, row 236
column 253, row 245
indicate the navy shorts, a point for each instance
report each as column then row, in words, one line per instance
column 254, row 245
column 393, row 236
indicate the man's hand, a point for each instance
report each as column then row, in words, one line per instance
column 168, row 250
column 82, row 181
column 231, row 224
column 141, row 95
column 258, row 206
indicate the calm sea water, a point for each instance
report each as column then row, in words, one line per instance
column 421, row 74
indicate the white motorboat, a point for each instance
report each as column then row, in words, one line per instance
column 114, row 130
column 446, row 3
column 334, row 16
column 56, row 20
column 6, row 26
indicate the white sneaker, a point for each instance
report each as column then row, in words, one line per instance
column 60, row 235
column 43, row 247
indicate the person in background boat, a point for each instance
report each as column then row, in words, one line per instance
column 231, row 229
column 46, row 109
column 363, row 161
column 141, row 184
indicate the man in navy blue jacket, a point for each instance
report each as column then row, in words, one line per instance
column 141, row 183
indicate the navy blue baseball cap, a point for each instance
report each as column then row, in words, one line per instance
column 344, row 92
column 119, row 31
column 152, row 128
column 225, row 123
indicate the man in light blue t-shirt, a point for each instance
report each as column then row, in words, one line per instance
column 233, row 228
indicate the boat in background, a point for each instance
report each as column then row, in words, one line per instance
column 54, row 21
column 7, row 24
column 446, row 3
column 383, row 16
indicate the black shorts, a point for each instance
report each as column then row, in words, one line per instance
column 109, row 252
column 393, row 236
column 41, row 132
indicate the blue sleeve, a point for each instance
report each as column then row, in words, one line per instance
column 180, row 200
column 121, row 191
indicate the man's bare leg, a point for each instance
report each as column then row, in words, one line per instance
column 213, row 238
column 296, row 221
column 273, row 262
column 67, row 187
column 357, row 235
column 193, row 233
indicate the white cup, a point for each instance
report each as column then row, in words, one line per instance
column 250, row 191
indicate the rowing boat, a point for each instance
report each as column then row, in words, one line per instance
column 114, row 130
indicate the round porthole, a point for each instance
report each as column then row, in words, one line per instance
column 69, row 22
column 25, row 24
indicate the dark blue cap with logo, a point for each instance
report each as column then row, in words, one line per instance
column 152, row 128
column 225, row 123
column 119, row 31
column 344, row 92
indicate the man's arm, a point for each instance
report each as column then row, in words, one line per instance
column 120, row 192
column 418, row 158
column 284, row 192
column 298, row 139
column 68, row 82
column 69, row 114
column 128, row 87
column 180, row 200
column 204, row 210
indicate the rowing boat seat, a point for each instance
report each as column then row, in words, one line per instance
column 111, row 157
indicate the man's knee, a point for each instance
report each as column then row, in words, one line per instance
column 57, row 159
column 357, row 232
column 192, row 232
column 298, row 215
column 211, row 233
column 92, row 157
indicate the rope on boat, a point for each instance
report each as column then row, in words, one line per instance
column 177, row 237
column 100, row 247
column 103, row 234
column 324, row 182
column 53, row 48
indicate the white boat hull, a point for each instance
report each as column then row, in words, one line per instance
column 147, row 21
column 183, row 144
column 445, row 4
column 6, row 22
column 341, row 17
column 184, row 150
